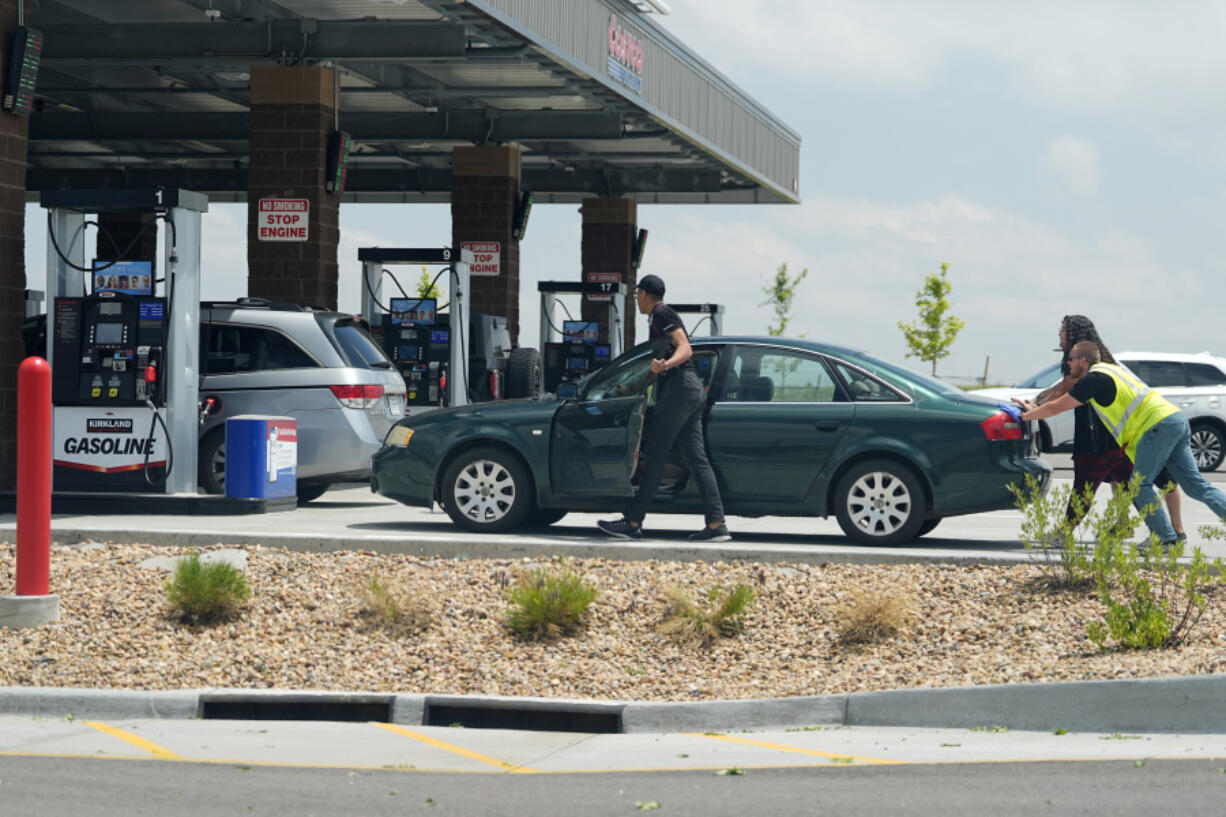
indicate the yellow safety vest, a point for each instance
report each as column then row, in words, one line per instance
column 1137, row 408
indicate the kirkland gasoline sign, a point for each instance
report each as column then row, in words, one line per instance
column 283, row 219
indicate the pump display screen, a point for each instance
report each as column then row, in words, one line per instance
column 582, row 331
column 576, row 364
column 408, row 353
column 109, row 334
column 417, row 311
column 602, row 350
column 110, row 308
column 440, row 336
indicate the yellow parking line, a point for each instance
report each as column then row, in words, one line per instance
column 160, row 752
column 798, row 750
column 438, row 744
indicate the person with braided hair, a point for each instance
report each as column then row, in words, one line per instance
column 1097, row 457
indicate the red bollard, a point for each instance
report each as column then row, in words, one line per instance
column 33, row 477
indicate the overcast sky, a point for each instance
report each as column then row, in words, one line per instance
column 1061, row 157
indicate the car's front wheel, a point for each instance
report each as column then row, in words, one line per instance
column 880, row 502
column 1208, row 446
column 486, row 490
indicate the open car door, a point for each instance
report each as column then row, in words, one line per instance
column 596, row 436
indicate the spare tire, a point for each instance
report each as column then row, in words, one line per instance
column 523, row 377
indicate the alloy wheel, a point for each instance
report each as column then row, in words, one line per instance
column 879, row 503
column 1206, row 448
column 484, row 491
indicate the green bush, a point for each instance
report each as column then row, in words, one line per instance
column 204, row 593
column 547, row 604
column 395, row 609
column 1152, row 599
column 702, row 624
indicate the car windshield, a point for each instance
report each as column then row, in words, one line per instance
column 908, row 378
column 357, row 348
column 623, row 376
column 1043, row 379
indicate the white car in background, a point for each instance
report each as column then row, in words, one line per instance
column 1196, row 383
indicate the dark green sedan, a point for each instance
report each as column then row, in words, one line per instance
column 794, row 428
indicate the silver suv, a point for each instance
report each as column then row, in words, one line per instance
column 320, row 368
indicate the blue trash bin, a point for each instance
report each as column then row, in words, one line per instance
column 261, row 456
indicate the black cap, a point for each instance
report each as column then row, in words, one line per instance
column 652, row 285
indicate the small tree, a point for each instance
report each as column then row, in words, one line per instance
column 780, row 294
column 426, row 288
column 932, row 335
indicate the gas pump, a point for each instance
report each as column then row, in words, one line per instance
column 411, row 331
column 574, row 351
column 124, row 361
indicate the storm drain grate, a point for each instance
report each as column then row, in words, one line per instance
column 255, row 709
column 522, row 717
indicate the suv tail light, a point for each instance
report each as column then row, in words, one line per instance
column 1000, row 426
column 358, row 397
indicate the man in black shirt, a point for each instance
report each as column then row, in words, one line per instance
column 677, row 417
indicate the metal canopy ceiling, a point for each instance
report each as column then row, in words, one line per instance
column 141, row 93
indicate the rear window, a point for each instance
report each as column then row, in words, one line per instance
column 1159, row 373
column 357, row 347
column 1204, row 374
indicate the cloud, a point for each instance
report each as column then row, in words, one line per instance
column 1097, row 56
column 1077, row 160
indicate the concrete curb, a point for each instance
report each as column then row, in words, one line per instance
column 521, row 547
column 1188, row 704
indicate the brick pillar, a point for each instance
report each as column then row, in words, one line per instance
column 292, row 115
column 484, row 194
column 13, row 131
column 123, row 229
column 608, row 244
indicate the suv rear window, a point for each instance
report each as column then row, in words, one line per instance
column 1204, row 374
column 357, row 347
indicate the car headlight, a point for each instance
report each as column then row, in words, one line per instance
column 399, row 435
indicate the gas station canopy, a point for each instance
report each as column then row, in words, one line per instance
column 602, row 99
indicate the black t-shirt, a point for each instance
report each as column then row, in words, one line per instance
column 661, row 323
column 1090, row 435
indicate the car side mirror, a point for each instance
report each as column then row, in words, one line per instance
column 567, row 391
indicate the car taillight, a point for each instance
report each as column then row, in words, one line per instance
column 358, row 397
column 1000, row 426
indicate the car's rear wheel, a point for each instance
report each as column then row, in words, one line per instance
column 211, row 463
column 486, row 490
column 880, row 502
column 543, row 517
column 1208, row 446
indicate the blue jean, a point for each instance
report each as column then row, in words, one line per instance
column 1168, row 443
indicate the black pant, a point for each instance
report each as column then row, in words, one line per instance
column 678, row 418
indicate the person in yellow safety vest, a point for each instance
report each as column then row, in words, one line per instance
column 1151, row 430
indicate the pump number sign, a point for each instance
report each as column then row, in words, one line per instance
column 283, row 219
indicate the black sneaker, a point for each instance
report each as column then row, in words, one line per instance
column 1181, row 538
column 621, row 528
column 709, row 534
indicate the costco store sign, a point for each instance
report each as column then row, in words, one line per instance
column 625, row 55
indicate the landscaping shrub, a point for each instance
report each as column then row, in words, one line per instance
column 395, row 609
column 702, row 624
column 867, row 618
column 548, row 604
column 205, row 593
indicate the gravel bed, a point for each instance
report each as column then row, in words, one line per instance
column 303, row 630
